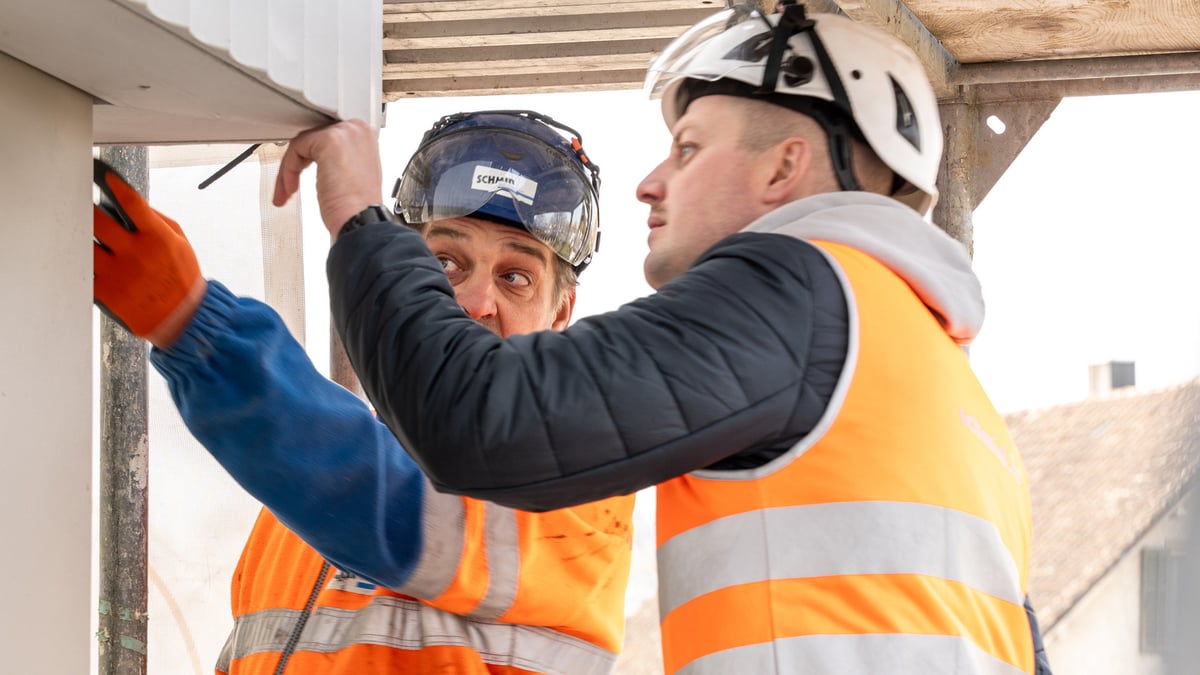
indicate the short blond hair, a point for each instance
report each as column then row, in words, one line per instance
column 766, row 124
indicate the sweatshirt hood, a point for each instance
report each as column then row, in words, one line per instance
column 931, row 262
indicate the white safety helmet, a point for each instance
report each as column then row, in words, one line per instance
column 855, row 80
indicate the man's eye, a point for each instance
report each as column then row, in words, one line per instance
column 517, row 279
column 449, row 265
column 685, row 149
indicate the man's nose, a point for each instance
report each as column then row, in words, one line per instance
column 650, row 190
column 477, row 297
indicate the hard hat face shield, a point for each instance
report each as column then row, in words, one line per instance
column 679, row 58
column 490, row 167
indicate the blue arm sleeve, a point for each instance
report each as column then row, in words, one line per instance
column 308, row 449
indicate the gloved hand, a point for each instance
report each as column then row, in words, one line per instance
column 146, row 274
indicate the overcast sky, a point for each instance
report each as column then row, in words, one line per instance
column 1087, row 249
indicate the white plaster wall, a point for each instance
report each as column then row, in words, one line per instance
column 1100, row 635
column 45, row 372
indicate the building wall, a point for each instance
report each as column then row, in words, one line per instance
column 1185, row 648
column 45, row 372
column 1101, row 634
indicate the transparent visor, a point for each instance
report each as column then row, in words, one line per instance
column 680, row 57
column 507, row 176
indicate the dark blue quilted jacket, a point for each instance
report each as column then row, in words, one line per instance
column 726, row 366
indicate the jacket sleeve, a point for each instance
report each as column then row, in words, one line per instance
column 716, row 363
column 309, row 450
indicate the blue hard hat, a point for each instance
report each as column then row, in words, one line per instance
column 511, row 166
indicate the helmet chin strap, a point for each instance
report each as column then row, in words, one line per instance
column 841, row 149
column 794, row 21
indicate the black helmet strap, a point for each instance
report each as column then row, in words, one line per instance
column 792, row 21
column 838, row 126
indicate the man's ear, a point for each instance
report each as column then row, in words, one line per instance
column 789, row 163
column 566, row 306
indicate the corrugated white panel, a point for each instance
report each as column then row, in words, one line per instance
column 361, row 61
column 172, row 11
column 209, row 21
column 329, row 53
column 321, row 70
column 286, row 42
column 248, row 33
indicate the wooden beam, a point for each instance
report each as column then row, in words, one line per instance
column 625, row 71
column 987, row 31
column 643, row 41
column 614, row 36
column 894, row 17
column 497, row 20
column 550, row 86
column 476, row 11
column 1026, row 91
column 1079, row 69
column 443, row 6
column 635, row 62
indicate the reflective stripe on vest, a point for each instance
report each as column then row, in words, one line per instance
column 503, row 562
column 445, row 527
column 409, row 625
column 490, row 562
column 497, row 588
column 819, row 540
column 443, row 522
column 894, row 538
column 854, row 655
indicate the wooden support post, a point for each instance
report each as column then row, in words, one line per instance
column 124, row 474
column 953, row 210
column 976, row 156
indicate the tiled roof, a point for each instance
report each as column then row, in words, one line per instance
column 1101, row 472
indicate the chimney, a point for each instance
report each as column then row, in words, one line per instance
column 1104, row 378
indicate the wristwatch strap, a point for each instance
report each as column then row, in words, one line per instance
column 374, row 213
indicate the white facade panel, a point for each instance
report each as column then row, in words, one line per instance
column 45, row 373
column 321, row 69
column 177, row 12
column 361, row 63
column 248, row 33
column 286, row 43
column 209, row 21
column 324, row 52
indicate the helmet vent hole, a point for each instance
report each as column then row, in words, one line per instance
column 906, row 117
column 856, row 74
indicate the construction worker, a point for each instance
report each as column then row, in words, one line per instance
column 356, row 565
column 836, row 493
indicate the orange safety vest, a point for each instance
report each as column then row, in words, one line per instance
column 502, row 592
column 893, row 539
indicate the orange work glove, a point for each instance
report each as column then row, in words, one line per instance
column 145, row 269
